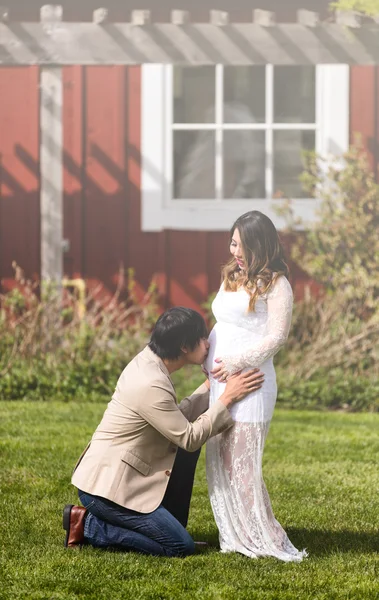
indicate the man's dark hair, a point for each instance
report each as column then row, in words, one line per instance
column 177, row 328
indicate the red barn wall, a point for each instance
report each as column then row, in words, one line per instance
column 102, row 179
column 364, row 111
column 19, row 172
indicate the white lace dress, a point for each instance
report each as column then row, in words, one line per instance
column 240, row 502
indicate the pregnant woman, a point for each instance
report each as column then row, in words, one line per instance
column 253, row 309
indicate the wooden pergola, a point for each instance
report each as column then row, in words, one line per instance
column 52, row 44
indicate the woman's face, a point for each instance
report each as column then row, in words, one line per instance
column 236, row 249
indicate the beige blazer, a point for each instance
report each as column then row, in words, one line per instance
column 132, row 452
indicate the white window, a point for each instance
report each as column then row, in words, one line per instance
column 218, row 141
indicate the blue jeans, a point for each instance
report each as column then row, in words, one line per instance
column 110, row 525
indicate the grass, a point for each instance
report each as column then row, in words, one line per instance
column 322, row 474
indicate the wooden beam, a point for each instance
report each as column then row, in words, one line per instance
column 348, row 18
column 199, row 44
column 308, row 18
column 180, row 17
column 100, row 15
column 141, row 17
column 219, row 18
column 265, row 18
column 51, row 101
column 50, row 13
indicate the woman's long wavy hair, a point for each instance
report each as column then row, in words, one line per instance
column 263, row 254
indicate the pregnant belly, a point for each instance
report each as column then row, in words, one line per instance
column 227, row 339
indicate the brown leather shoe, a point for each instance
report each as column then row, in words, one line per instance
column 73, row 523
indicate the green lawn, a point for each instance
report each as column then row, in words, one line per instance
column 322, row 473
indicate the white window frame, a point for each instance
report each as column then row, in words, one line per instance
column 159, row 209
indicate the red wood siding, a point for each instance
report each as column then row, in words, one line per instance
column 19, row 172
column 364, row 110
column 105, row 204
column 95, row 179
column 102, row 183
column 73, row 173
column 146, row 251
column 187, row 258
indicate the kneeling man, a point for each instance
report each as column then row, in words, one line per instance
column 136, row 475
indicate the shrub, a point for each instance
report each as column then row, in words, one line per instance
column 341, row 250
column 327, row 390
column 335, row 390
column 326, row 334
column 365, row 7
column 333, row 349
column 48, row 351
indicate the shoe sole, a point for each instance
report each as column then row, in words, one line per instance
column 66, row 522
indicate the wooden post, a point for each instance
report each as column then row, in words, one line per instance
column 4, row 13
column 265, row 18
column 50, row 13
column 348, row 18
column 51, row 175
column 180, row 17
column 51, row 100
column 219, row 18
column 308, row 18
column 141, row 17
column 100, row 15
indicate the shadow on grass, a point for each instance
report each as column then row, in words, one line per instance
column 317, row 542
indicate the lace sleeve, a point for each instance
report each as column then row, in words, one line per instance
column 279, row 307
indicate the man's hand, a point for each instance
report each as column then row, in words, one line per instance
column 240, row 385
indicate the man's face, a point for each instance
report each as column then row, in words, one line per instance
column 198, row 355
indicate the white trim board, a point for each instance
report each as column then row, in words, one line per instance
column 51, row 195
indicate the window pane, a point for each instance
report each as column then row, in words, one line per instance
column 244, row 164
column 288, row 161
column 294, row 94
column 194, row 164
column 244, row 94
column 194, row 94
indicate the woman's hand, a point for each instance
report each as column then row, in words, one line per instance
column 220, row 372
